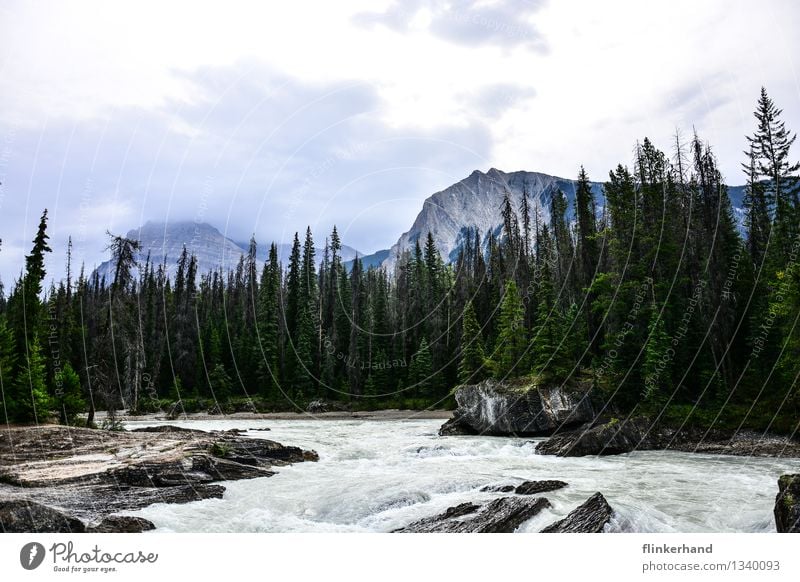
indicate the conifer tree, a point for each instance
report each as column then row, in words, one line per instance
column 420, row 372
column 268, row 323
column 771, row 144
column 509, row 356
column 470, row 368
column 31, row 400
column 8, row 361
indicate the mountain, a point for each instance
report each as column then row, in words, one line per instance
column 475, row 202
column 374, row 260
column 164, row 241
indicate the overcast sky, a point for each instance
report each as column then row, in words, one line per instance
column 265, row 117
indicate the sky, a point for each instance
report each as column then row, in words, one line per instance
column 265, row 117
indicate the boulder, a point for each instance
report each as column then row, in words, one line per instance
column 610, row 438
column 497, row 408
column 591, row 517
column 502, row 515
column 24, row 516
column 497, row 489
column 525, row 488
column 260, row 452
column 456, row 426
column 787, row 504
column 122, row 524
column 534, row 487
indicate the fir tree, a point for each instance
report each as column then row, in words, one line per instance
column 32, row 402
column 420, row 372
column 470, row 368
column 509, row 356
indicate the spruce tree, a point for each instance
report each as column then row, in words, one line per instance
column 70, row 401
column 268, row 323
column 509, row 356
column 657, row 365
column 771, row 143
column 588, row 255
column 420, row 372
column 8, row 361
column 32, row 402
column 470, row 367
column 550, row 350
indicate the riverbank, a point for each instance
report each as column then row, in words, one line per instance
column 386, row 414
column 55, row 478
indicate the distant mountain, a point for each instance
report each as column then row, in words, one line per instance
column 475, row 202
column 164, row 241
column 374, row 260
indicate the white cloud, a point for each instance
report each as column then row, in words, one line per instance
column 154, row 99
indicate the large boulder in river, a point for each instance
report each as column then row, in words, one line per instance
column 502, row 515
column 610, row 438
column 590, row 517
column 122, row 524
column 24, row 516
column 787, row 504
column 519, row 409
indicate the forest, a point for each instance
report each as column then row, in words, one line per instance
column 655, row 292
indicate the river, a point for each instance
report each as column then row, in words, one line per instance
column 375, row 476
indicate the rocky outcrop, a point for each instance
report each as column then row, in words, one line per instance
column 525, row 488
column 611, row 438
column 25, row 516
column 520, row 409
column 502, row 515
column 457, row 425
column 122, row 524
column 591, row 517
column 787, row 504
column 91, row 474
column 497, row 488
column 534, row 487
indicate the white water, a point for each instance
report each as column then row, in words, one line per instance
column 381, row 475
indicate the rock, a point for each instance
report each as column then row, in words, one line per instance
column 611, row 438
column 92, row 473
column 787, row 504
column 456, row 426
column 614, row 436
column 122, row 524
column 496, row 408
column 259, row 452
column 502, row 515
column 534, row 487
column 591, row 517
column 525, row 488
column 25, row 516
column 497, row 489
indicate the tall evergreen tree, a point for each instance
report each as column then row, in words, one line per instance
column 509, row 357
column 470, row 367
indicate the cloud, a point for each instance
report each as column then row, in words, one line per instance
column 493, row 101
column 504, row 23
column 267, row 154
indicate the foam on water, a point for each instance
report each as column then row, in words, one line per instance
column 381, row 475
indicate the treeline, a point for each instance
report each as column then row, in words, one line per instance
column 649, row 292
